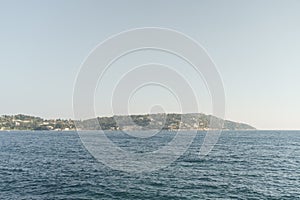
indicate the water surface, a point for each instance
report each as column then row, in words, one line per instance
column 243, row 165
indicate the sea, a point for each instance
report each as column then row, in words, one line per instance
column 242, row 165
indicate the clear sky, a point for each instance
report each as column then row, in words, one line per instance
column 255, row 45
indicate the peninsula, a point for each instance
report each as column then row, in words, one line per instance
column 163, row 121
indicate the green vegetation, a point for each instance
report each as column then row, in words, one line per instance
column 133, row 122
column 25, row 122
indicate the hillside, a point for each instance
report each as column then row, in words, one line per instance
column 133, row 122
column 160, row 121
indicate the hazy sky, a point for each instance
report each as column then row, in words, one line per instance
column 255, row 45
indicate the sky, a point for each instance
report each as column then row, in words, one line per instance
column 254, row 44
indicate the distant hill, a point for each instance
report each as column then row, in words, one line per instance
column 132, row 122
column 171, row 121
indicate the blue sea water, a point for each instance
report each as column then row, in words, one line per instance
column 243, row 165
